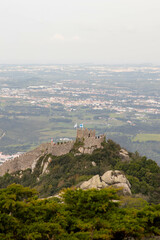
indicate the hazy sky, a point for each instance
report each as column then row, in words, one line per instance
column 80, row 31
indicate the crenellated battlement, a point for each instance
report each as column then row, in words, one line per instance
column 85, row 133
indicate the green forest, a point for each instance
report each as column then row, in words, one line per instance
column 76, row 214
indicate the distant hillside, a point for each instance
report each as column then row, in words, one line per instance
column 53, row 173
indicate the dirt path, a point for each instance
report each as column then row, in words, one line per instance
column 3, row 134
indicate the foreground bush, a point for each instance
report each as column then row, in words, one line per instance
column 91, row 214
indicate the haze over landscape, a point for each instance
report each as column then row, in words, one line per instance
column 100, row 32
column 80, row 120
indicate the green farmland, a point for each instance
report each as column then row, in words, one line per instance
column 146, row 137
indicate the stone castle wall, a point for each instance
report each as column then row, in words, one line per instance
column 84, row 133
column 93, row 142
column 29, row 159
column 60, row 149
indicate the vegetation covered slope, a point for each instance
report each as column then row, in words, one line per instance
column 78, row 215
column 71, row 169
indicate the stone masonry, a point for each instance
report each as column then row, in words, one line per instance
column 29, row 159
column 91, row 141
column 85, row 133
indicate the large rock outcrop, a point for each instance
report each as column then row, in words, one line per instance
column 124, row 155
column 94, row 182
column 110, row 178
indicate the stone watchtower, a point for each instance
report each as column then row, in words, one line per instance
column 90, row 140
column 83, row 133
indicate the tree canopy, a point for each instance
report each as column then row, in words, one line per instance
column 76, row 215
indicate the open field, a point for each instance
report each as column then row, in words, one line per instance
column 146, row 137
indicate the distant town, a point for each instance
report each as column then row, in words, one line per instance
column 40, row 102
column 72, row 93
column 4, row 158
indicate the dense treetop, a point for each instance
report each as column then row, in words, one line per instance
column 78, row 214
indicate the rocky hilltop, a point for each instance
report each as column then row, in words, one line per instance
column 28, row 160
column 88, row 162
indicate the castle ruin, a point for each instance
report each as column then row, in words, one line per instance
column 29, row 159
column 91, row 141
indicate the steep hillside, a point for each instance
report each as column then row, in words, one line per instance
column 53, row 173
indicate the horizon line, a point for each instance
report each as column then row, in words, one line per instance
column 83, row 63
